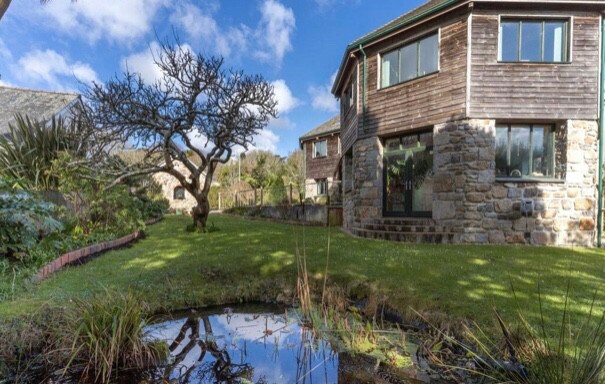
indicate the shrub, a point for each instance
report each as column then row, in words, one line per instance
column 24, row 220
column 110, row 336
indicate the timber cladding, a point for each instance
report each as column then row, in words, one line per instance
column 322, row 167
column 534, row 90
column 425, row 101
column 349, row 116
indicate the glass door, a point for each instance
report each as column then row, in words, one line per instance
column 408, row 175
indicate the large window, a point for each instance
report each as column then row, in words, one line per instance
column 413, row 60
column 320, row 149
column 525, row 151
column 530, row 40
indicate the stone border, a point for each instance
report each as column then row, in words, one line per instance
column 79, row 254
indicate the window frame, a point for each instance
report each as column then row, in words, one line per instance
column 179, row 189
column 319, row 183
column 569, row 21
column 314, row 153
column 528, row 178
column 399, row 46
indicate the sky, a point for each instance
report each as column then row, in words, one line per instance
column 297, row 45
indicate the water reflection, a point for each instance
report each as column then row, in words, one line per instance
column 244, row 348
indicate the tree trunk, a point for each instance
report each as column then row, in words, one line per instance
column 3, row 7
column 201, row 211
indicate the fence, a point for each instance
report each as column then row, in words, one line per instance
column 318, row 193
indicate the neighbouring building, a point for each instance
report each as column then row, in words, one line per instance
column 474, row 122
column 35, row 104
column 321, row 149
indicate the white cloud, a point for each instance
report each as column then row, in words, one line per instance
column 123, row 21
column 266, row 140
column 275, row 30
column 322, row 98
column 143, row 63
column 286, row 101
column 51, row 68
column 269, row 41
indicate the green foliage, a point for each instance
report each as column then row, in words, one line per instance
column 24, row 220
column 28, row 151
column 110, row 336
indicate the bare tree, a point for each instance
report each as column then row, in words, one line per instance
column 197, row 108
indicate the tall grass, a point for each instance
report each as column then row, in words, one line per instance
column 110, row 336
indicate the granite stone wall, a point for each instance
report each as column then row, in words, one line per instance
column 468, row 200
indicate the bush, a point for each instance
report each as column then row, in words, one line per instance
column 24, row 220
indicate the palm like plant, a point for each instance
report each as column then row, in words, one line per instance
column 28, row 151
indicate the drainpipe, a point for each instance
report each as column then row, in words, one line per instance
column 601, row 133
column 363, row 96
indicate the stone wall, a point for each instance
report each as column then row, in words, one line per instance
column 468, row 200
column 365, row 199
column 479, row 209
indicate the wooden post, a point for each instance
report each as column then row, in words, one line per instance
column 291, row 201
column 236, row 202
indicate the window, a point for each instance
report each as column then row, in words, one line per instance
column 411, row 61
column 530, row 40
column 179, row 193
column 525, row 151
column 350, row 95
column 320, row 149
column 322, row 187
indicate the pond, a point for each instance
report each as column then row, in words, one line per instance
column 251, row 345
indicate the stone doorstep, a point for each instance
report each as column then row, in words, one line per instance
column 406, row 237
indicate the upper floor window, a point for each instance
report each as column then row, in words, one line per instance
column 411, row 61
column 350, row 95
column 525, row 151
column 320, row 149
column 532, row 40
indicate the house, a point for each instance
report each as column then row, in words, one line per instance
column 179, row 199
column 321, row 149
column 35, row 104
column 475, row 122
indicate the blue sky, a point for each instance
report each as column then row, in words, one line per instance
column 295, row 44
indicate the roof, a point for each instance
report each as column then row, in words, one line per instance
column 327, row 128
column 394, row 23
column 35, row 104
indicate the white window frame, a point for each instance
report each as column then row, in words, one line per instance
column 534, row 17
column 319, row 183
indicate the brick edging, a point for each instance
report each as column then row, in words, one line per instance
column 91, row 250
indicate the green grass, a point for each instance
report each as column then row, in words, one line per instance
column 251, row 260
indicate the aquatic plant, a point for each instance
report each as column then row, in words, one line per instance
column 109, row 336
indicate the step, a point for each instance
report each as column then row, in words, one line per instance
column 401, row 228
column 406, row 237
column 402, row 221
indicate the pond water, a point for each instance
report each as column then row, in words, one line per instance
column 244, row 347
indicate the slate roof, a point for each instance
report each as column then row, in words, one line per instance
column 329, row 127
column 37, row 105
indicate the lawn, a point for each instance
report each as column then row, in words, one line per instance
column 241, row 260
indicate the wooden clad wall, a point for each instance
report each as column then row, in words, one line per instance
column 534, row 91
column 348, row 116
column 323, row 167
column 425, row 101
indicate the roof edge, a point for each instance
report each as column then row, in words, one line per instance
column 323, row 134
column 379, row 33
column 75, row 94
